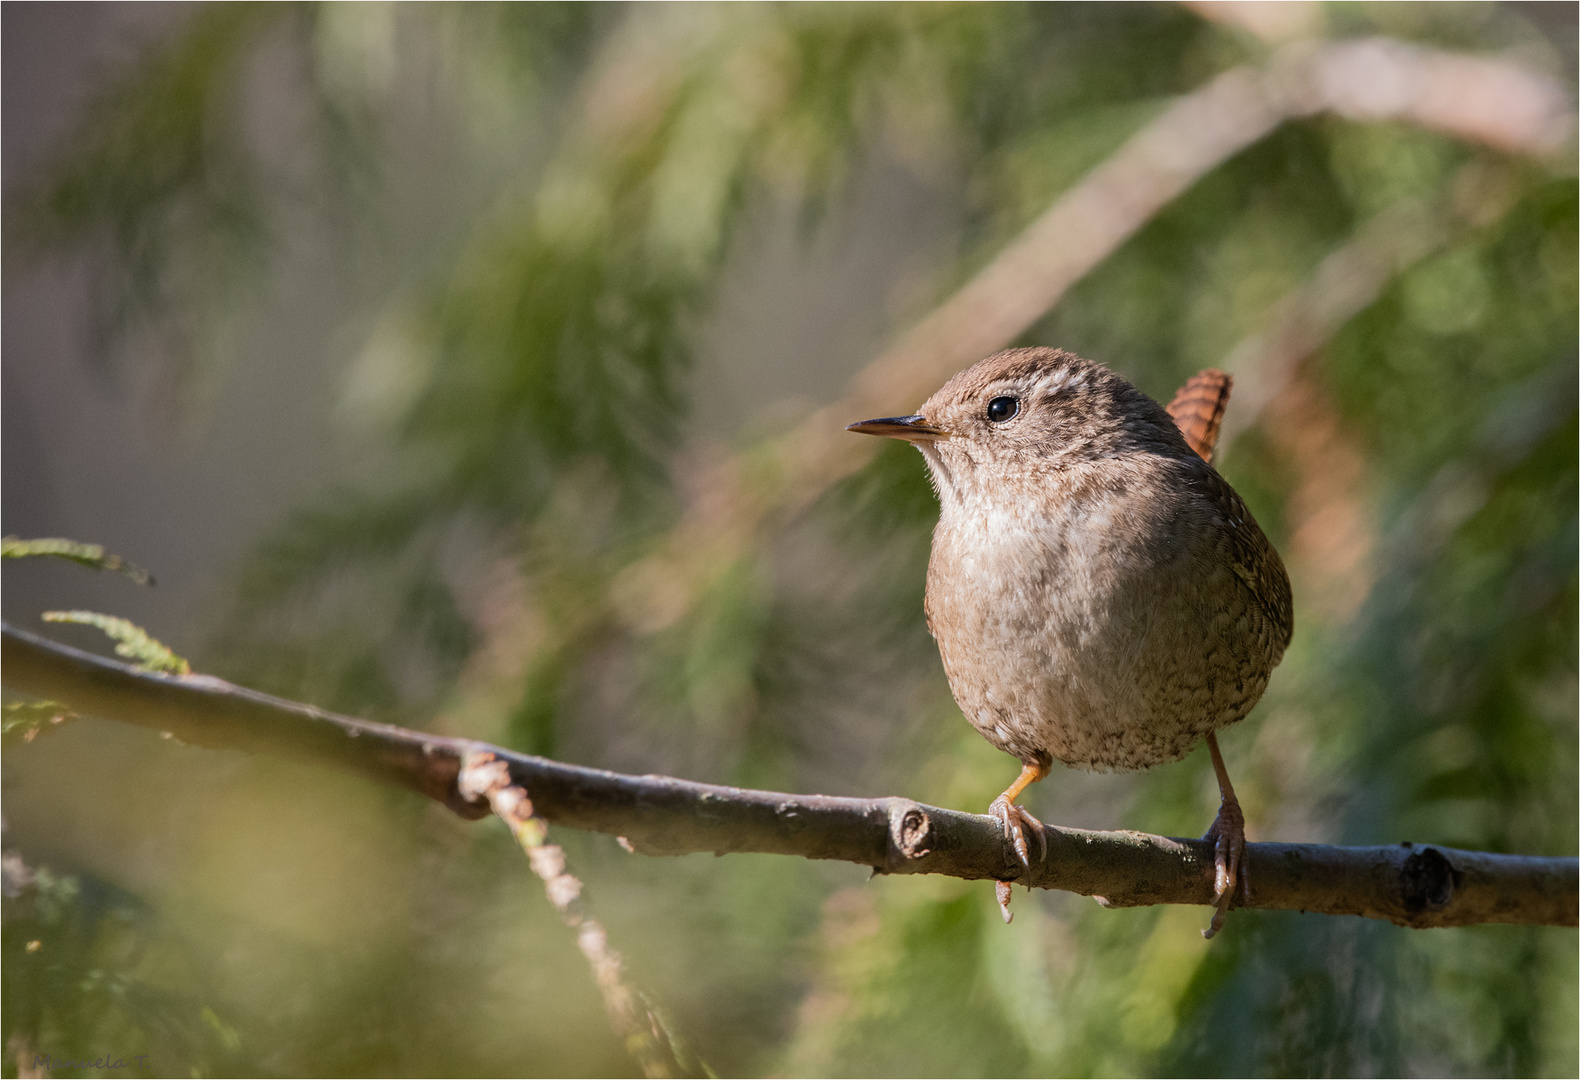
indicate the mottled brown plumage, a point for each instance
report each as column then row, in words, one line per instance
column 1100, row 595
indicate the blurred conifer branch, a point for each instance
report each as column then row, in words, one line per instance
column 1497, row 103
column 156, row 181
column 1425, row 887
column 27, row 720
column 1494, row 102
column 92, row 556
column 647, row 1036
column 1349, row 279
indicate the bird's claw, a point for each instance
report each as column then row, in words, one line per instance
column 1230, row 866
column 1015, row 820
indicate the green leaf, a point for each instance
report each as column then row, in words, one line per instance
column 90, row 555
column 134, row 642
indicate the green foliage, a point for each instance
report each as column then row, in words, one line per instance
column 89, row 555
column 95, row 982
column 345, row 604
column 512, row 571
column 26, row 720
column 131, row 640
column 161, row 178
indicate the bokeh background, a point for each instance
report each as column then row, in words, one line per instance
column 452, row 366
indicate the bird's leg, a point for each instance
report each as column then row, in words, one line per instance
column 1228, row 834
column 1014, row 820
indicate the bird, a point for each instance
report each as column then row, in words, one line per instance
column 1099, row 594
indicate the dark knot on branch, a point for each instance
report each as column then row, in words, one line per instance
column 1427, row 881
column 910, row 831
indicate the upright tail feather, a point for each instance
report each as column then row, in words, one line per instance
column 1198, row 409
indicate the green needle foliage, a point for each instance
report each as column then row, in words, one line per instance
column 27, row 720
column 131, row 640
column 95, row 982
column 92, row 556
column 515, row 568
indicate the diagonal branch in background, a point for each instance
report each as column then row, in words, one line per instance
column 1350, row 279
column 1347, row 281
column 1331, row 536
column 1418, row 886
column 1494, row 102
column 645, row 1034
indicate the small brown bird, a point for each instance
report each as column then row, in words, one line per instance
column 1100, row 595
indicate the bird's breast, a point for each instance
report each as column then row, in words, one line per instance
column 1091, row 632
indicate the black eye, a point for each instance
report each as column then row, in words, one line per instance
column 1001, row 409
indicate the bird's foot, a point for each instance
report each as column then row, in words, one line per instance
column 1229, row 862
column 1015, row 820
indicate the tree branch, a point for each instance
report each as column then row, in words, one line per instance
column 1410, row 885
column 643, row 1030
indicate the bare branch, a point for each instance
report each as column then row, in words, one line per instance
column 1410, row 885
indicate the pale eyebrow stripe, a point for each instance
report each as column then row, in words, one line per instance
column 1057, row 380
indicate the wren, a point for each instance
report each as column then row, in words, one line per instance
column 1099, row 594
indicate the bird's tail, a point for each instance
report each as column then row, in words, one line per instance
column 1198, row 408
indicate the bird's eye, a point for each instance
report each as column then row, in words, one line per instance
column 1001, row 409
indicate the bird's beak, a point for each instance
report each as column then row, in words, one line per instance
column 910, row 428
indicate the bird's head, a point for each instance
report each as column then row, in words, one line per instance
column 1020, row 414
